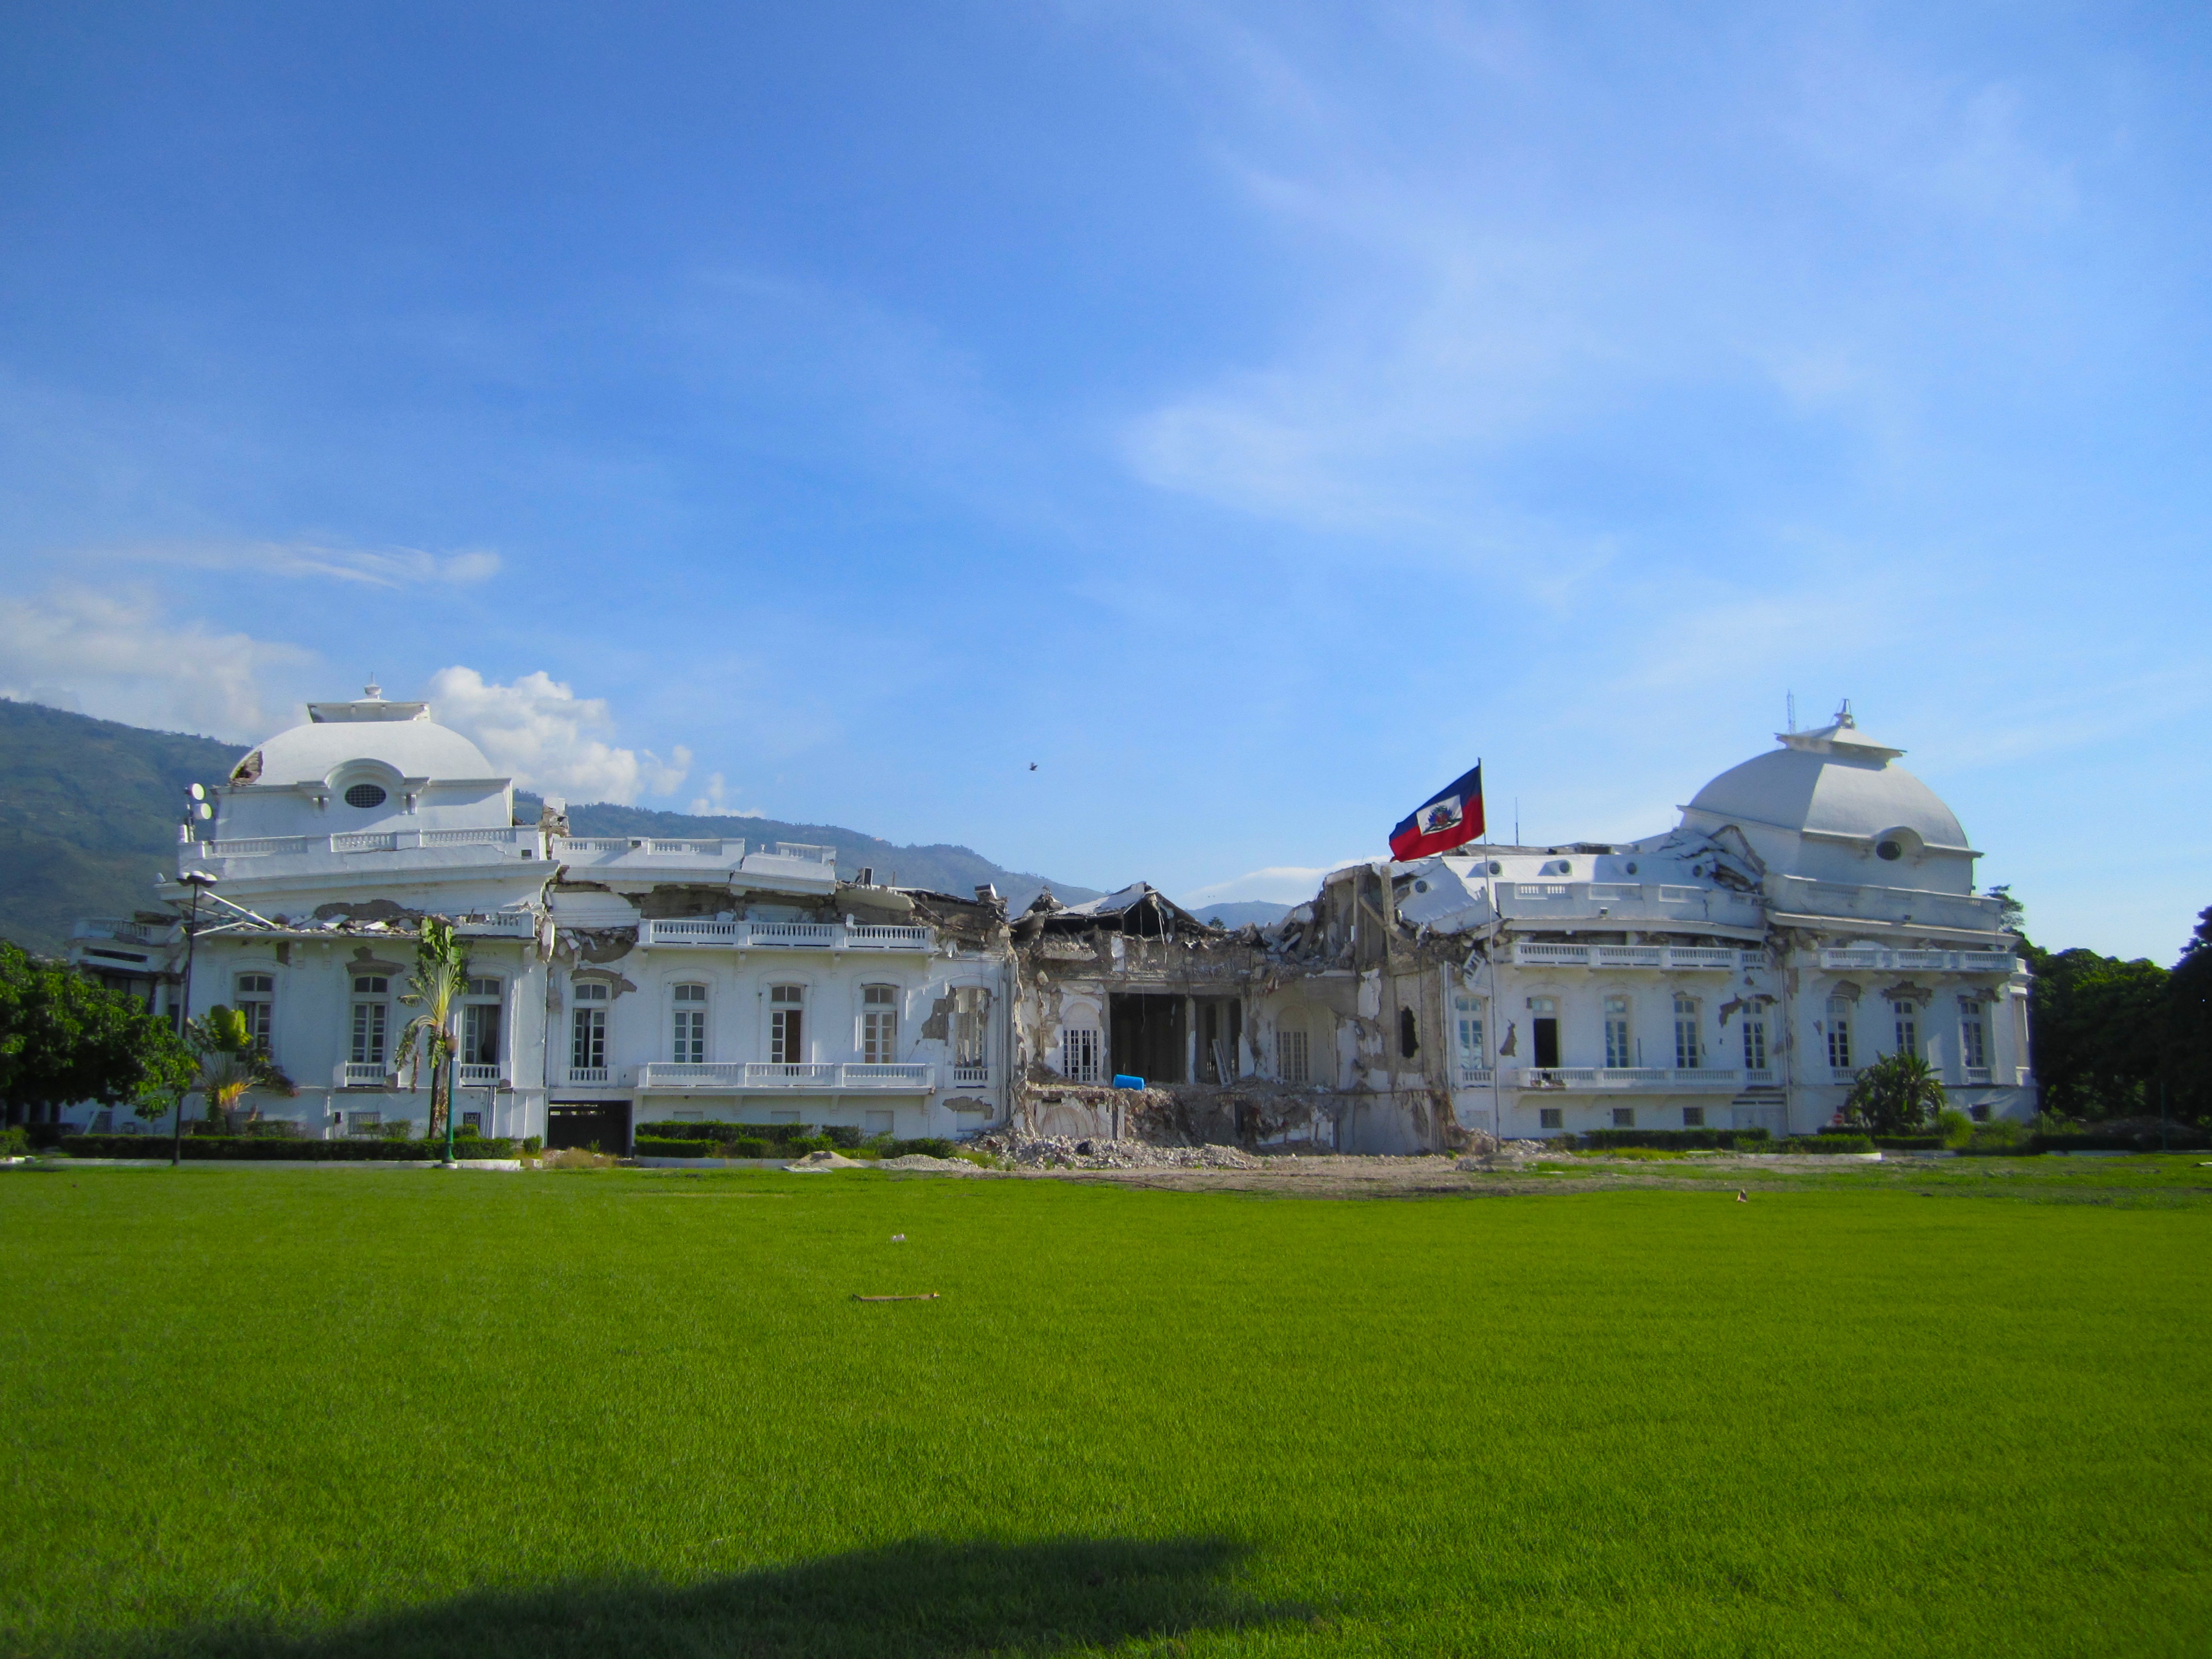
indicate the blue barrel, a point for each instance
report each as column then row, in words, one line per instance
column 1125, row 1081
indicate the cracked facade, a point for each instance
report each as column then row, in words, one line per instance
column 1813, row 909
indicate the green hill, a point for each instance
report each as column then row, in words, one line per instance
column 89, row 812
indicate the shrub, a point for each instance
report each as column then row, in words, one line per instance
column 1677, row 1139
column 14, row 1142
column 691, row 1129
column 660, row 1147
column 1909, row 1143
column 1826, row 1144
column 1955, row 1128
column 399, row 1129
column 533, row 1145
column 202, row 1147
column 749, row 1146
column 926, row 1146
column 2000, row 1137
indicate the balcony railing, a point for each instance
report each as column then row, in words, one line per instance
column 499, row 924
column 1873, row 959
column 368, row 841
column 588, row 1074
column 1705, row 1078
column 1978, row 1073
column 770, row 1076
column 351, row 1074
column 970, row 1077
column 708, row 933
column 476, row 1077
column 1476, row 1077
column 1701, row 958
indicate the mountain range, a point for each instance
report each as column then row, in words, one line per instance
column 89, row 808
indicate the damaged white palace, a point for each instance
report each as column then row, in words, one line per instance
column 1814, row 910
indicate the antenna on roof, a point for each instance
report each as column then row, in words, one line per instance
column 1792, row 711
column 1843, row 714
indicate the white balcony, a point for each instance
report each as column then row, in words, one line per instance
column 1678, row 959
column 1476, row 1077
column 593, row 1075
column 725, row 1077
column 705, row 932
column 478, row 1077
column 1631, row 1079
column 970, row 1077
column 497, row 924
column 348, row 1074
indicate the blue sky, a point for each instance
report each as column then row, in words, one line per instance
column 1250, row 414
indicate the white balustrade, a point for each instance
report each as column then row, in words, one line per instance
column 1476, row 1077
column 1697, row 955
column 695, row 930
column 475, row 1076
column 1874, row 959
column 365, row 840
column 815, row 935
column 1636, row 1078
column 1628, row 955
column 1535, row 953
column 970, row 1077
column 350, row 1075
column 587, row 1074
column 868, row 936
column 774, row 1074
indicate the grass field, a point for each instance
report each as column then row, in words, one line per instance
column 341, row 1412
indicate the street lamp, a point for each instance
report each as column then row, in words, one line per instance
column 197, row 810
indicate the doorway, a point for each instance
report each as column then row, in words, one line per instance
column 589, row 1125
column 1220, row 1028
column 1147, row 1039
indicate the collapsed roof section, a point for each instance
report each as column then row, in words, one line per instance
column 1139, row 910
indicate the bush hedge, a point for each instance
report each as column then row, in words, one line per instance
column 260, row 1147
column 1826, row 1144
column 2182, row 1138
column 692, row 1129
column 1909, row 1143
column 1680, row 1140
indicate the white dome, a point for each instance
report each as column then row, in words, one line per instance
column 1836, row 793
column 398, row 735
column 1796, row 789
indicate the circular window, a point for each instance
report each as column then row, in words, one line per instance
column 364, row 795
column 1888, row 849
column 1496, row 868
column 1420, row 887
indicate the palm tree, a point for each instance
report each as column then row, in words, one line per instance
column 439, row 982
column 231, row 1063
column 1897, row 1094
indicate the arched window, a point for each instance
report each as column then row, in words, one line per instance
column 878, row 1024
column 1839, row 1033
column 787, row 1025
column 1618, row 1049
column 1689, row 1048
column 688, row 1039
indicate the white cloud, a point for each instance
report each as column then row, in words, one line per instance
column 715, row 803
column 1279, row 883
column 538, row 729
column 114, row 653
column 371, row 567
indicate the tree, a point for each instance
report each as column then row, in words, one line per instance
column 2097, row 1025
column 1895, row 1096
column 2188, row 1049
column 65, row 1040
column 231, row 1063
column 439, row 982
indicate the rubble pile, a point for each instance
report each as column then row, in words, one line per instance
column 923, row 1161
column 1067, row 1153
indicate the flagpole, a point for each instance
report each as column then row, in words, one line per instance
column 1490, row 961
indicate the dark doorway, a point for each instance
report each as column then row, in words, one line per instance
column 1147, row 1038
column 1547, row 1041
column 600, row 1125
column 1220, row 1024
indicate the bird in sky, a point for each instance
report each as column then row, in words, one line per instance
column 1032, row 766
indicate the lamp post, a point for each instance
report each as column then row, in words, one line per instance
column 199, row 881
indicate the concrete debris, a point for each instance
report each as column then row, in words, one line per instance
column 1066, row 1152
column 824, row 1160
column 923, row 1161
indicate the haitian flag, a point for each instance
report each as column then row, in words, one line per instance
column 1450, row 817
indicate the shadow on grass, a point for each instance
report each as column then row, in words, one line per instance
column 923, row 1599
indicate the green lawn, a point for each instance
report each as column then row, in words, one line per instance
column 343, row 1411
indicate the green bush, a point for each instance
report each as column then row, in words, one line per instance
column 926, row 1146
column 14, row 1142
column 1955, row 1129
column 1909, row 1143
column 689, row 1129
column 1826, row 1144
column 255, row 1148
column 1680, row 1140
column 749, row 1146
column 532, row 1144
column 398, row 1129
column 739, row 1146
column 2181, row 1138
column 2001, row 1138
